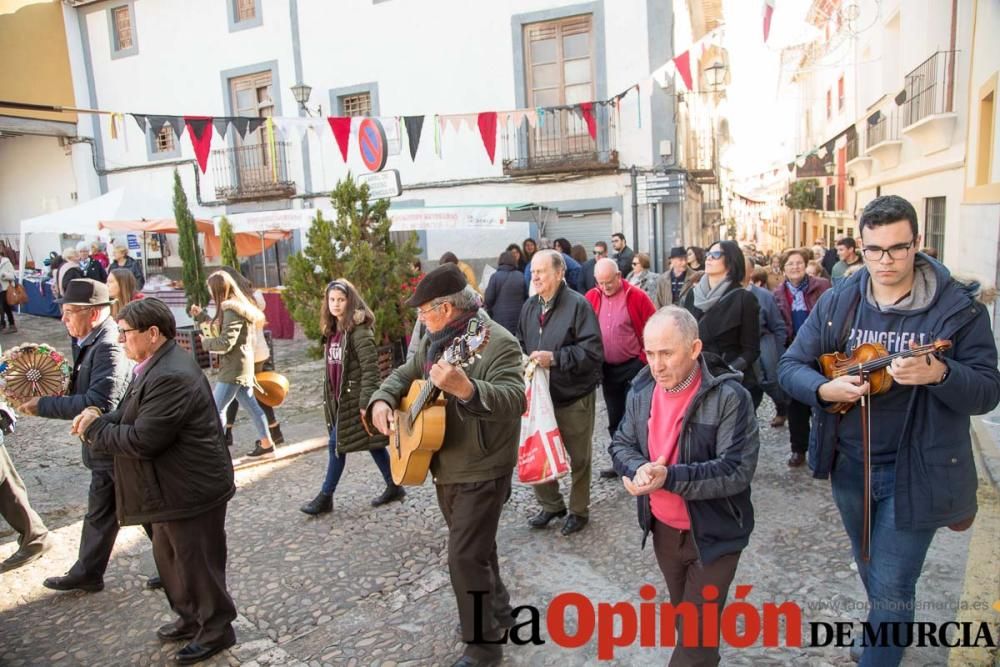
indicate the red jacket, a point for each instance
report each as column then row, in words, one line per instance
column 640, row 308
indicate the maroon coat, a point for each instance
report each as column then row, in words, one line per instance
column 783, row 295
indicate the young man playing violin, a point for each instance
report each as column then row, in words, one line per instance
column 922, row 474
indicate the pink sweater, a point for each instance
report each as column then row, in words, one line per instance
column 665, row 418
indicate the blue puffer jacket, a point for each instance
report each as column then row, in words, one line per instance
column 718, row 445
column 935, row 471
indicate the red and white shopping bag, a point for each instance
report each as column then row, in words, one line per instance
column 541, row 456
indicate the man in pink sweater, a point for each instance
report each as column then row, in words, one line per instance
column 687, row 449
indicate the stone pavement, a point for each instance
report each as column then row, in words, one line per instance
column 370, row 587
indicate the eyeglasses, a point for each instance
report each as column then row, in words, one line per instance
column 122, row 332
column 598, row 251
column 874, row 253
column 425, row 311
column 714, row 254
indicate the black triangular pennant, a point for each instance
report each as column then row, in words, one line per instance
column 140, row 119
column 198, row 125
column 414, row 125
column 176, row 122
column 221, row 124
column 254, row 124
column 156, row 123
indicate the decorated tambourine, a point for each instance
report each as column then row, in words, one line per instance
column 31, row 370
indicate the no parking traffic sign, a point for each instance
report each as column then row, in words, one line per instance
column 372, row 144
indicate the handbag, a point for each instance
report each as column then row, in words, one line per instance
column 16, row 295
column 541, row 456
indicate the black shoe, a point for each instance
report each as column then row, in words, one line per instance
column 154, row 583
column 796, row 459
column 71, row 583
column 229, row 436
column 171, row 633
column 467, row 661
column 276, row 435
column 26, row 554
column 609, row 473
column 574, row 523
column 193, row 652
column 260, row 451
column 391, row 493
column 544, row 518
column 321, row 504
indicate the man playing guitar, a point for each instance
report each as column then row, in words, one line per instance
column 920, row 470
column 472, row 469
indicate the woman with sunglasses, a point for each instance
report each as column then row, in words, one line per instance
column 796, row 297
column 641, row 276
column 351, row 378
column 727, row 314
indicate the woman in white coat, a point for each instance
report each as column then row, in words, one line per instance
column 7, row 278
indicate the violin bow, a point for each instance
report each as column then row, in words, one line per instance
column 866, row 462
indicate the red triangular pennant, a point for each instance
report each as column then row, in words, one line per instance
column 341, row 126
column 487, row 122
column 200, row 130
column 587, row 109
column 683, row 65
column 768, row 13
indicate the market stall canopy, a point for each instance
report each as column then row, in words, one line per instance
column 246, row 244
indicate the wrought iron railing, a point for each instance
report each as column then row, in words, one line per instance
column 852, row 148
column 882, row 127
column 252, row 172
column 560, row 141
column 928, row 88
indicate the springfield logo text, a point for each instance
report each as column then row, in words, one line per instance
column 738, row 624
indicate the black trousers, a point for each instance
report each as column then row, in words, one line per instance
column 100, row 526
column 8, row 310
column 615, row 385
column 799, row 415
column 191, row 557
column 472, row 512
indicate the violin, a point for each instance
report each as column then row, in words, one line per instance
column 870, row 361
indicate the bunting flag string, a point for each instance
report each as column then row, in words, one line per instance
column 683, row 65
column 341, row 127
column 587, row 110
column 272, row 149
column 487, row 122
column 221, row 125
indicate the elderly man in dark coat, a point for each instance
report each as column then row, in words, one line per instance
column 99, row 379
column 174, row 472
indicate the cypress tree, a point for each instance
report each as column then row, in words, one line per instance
column 229, row 257
column 192, row 265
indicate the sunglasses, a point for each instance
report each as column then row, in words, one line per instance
column 715, row 254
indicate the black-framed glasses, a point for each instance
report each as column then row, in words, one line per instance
column 874, row 253
column 122, row 331
column 714, row 254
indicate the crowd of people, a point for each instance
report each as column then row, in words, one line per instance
column 683, row 360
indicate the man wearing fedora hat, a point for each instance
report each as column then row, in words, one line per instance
column 99, row 379
column 472, row 470
column 673, row 284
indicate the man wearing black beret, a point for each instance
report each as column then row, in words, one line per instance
column 472, row 470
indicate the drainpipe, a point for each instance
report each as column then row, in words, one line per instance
column 950, row 88
column 633, row 172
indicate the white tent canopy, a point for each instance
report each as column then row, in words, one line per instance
column 120, row 204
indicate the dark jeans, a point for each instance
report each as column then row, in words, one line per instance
column 615, row 385
column 14, row 505
column 686, row 576
column 335, row 465
column 890, row 577
column 8, row 311
column 472, row 512
column 191, row 557
column 100, row 527
column 799, row 415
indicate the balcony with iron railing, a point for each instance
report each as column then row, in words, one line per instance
column 252, row 171
column 882, row 137
column 927, row 115
column 857, row 163
column 560, row 141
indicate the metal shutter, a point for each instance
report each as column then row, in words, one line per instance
column 583, row 228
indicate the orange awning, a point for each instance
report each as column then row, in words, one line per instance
column 247, row 245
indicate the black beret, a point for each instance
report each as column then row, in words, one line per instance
column 678, row 251
column 442, row 281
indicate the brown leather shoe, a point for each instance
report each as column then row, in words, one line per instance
column 796, row 459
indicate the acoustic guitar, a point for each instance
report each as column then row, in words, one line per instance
column 419, row 420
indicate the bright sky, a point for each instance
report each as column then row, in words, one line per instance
column 760, row 123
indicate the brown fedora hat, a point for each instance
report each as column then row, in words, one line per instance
column 272, row 388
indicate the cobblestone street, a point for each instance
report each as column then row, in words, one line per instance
column 363, row 586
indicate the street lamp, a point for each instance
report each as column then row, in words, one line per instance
column 301, row 93
column 716, row 75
